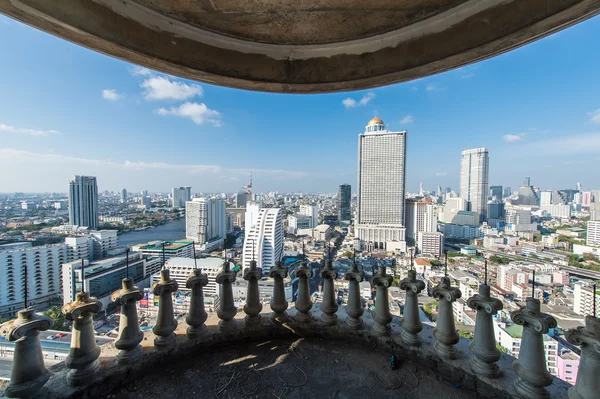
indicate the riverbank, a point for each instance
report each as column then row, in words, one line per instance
column 171, row 231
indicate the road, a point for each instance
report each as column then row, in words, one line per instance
column 67, row 338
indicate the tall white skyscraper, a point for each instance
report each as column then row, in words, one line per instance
column 83, row 202
column 205, row 223
column 180, row 195
column 474, row 175
column 123, row 196
column 313, row 212
column 264, row 240
column 381, row 176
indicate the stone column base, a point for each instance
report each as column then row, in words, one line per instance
column 354, row 322
column 194, row 332
column 329, row 319
column 227, row 326
column 164, row 342
column 304, row 317
column 129, row 356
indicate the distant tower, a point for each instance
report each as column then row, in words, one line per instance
column 83, row 202
column 578, row 186
column 474, row 174
column 264, row 240
column 123, row 196
column 381, row 177
column 344, row 202
column 439, row 191
column 421, row 188
column 527, row 181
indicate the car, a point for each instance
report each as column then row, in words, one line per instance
column 60, row 335
column 52, row 337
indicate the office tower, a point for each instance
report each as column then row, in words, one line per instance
column 264, row 240
column 545, row 197
column 561, row 197
column 507, row 192
column 83, row 202
column 181, row 195
column 244, row 195
column 420, row 217
column 527, row 181
column 595, row 211
column 578, row 186
column 205, row 223
column 421, row 191
column 344, row 202
column 313, row 212
column 496, row 191
column 474, row 171
column 144, row 193
column 123, row 196
column 451, row 209
column 381, row 177
column 439, row 191
column 103, row 242
column 495, row 209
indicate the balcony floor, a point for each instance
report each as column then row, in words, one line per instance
column 291, row 368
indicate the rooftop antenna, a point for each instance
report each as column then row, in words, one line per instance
column 126, row 261
column 25, row 287
column 303, row 253
column 411, row 259
column 485, row 280
column 82, row 276
column 446, row 264
column 194, row 250
column 533, row 285
column 163, row 255
column 594, row 299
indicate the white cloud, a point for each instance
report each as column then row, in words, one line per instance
column 511, row 138
column 29, row 132
column 595, row 117
column 434, row 87
column 163, row 88
column 110, row 94
column 199, row 113
column 407, row 119
column 467, row 75
column 351, row 103
column 584, row 143
column 140, row 71
column 440, row 174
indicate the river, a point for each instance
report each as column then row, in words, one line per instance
column 172, row 231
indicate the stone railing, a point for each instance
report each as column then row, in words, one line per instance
column 473, row 365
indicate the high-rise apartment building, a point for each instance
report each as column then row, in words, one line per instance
column 181, row 195
column 507, row 192
column 593, row 232
column 123, row 195
column 264, row 240
column 420, row 217
column 583, row 299
column 595, row 211
column 381, row 184
column 430, row 243
column 344, row 202
column 312, row 212
column 474, row 174
column 205, row 222
column 83, row 202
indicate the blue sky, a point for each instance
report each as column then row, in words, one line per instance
column 66, row 110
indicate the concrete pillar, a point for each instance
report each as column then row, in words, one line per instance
column 445, row 330
column 382, row 315
column 279, row 304
column 84, row 353
column 531, row 370
column 329, row 305
column 483, row 347
column 354, row 308
column 165, row 321
column 303, row 302
column 253, row 305
column 226, row 309
column 197, row 314
column 588, row 337
column 130, row 335
column 28, row 373
column 411, row 322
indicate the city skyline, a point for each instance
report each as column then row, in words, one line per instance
column 67, row 110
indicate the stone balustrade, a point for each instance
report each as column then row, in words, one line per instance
column 474, row 366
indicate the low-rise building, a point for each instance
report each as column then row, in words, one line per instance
column 173, row 249
column 568, row 365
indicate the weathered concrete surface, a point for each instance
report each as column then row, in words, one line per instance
column 301, row 46
column 458, row 372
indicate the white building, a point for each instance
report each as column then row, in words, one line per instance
column 451, row 209
column 251, row 215
column 104, row 241
column 43, row 275
column 420, row 218
column 474, row 170
column 83, row 202
column 172, row 249
column 546, row 197
column 312, row 212
column 466, row 218
column 298, row 222
column 205, row 223
column 381, row 182
column 451, row 230
column 557, row 211
column 519, row 220
column 430, row 244
column 181, row 268
column 583, row 299
column 181, row 195
column 264, row 241
column 593, row 233
column 81, row 247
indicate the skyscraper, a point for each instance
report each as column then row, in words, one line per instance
column 381, row 177
column 123, row 196
column 474, row 170
column 244, row 195
column 205, row 222
column 313, row 212
column 496, row 191
column 83, row 202
column 420, row 218
column 180, row 195
column 344, row 202
column 264, row 240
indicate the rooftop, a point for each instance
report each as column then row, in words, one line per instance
column 169, row 246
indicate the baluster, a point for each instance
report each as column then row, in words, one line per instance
column 531, row 368
column 354, row 308
column 226, row 310
column 445, row 330
column 28, row 373
column 411, row 322
column 588, row 337
column 253, row 305
column 130, row 335
column 84, row 353
column 278, row 303
column 165, row 321
column 329, row 306
column 485, row 354
column 197, row 315
column 303, row 302
column 382, row 315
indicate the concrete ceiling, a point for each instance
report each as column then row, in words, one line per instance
column 301, row 46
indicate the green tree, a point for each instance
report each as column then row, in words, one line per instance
column 348, row 254
column 465, row 334
column 60, row 321
column 435, row 262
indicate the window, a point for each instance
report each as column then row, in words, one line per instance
column 569, row 372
